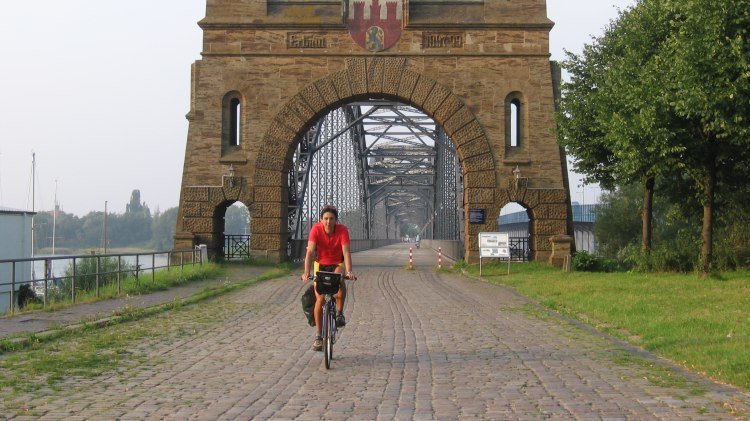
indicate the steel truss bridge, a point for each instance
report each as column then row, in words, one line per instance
column 387, row 167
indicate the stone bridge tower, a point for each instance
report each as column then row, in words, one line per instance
column 271, row 68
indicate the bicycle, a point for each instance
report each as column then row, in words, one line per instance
column 328, row 284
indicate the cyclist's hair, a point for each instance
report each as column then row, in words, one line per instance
column 329, row 208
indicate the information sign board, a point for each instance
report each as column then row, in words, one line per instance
column 494, row 244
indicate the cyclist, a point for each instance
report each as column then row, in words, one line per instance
column 329, row 240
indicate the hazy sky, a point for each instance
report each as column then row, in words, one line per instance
column 99, row 89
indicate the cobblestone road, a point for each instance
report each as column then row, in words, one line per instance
column 419, row 345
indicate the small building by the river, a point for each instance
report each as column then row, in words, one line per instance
column 15, row 243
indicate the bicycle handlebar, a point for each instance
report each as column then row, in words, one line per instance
column 312, row 277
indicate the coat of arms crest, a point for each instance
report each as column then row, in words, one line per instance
column 374, row 24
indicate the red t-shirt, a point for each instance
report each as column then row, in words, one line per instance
column 329, row 246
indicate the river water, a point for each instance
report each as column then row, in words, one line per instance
column 60, row 265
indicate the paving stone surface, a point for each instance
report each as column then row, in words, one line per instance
column 419, row 345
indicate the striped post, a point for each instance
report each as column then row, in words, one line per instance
column 411, row 258
column 440, row 257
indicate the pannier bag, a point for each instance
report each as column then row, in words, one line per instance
column 308, row 302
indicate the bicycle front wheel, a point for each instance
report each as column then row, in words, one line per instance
column 329, row 326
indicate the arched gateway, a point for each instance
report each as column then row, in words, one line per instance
column 271, row 68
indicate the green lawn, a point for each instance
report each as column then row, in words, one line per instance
column 701, row 323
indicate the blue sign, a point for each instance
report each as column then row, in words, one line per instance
column 476, row 216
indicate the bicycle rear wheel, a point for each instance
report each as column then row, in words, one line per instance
column 328, row 326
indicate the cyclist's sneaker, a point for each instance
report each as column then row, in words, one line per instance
column 340, row 320
column 317, row 344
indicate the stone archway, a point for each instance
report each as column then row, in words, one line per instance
column 363, row 77
column 202, row 211
column 273, row 68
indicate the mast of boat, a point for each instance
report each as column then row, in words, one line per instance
column 33, row 197
column 54, row 220
column 33, row 208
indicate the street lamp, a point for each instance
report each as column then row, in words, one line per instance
column 583, row 193
column 230, row 174
column 517, row 175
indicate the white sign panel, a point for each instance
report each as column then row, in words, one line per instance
column 494, row 244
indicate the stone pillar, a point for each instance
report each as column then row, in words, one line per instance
column 184, row 241
column 561, row 248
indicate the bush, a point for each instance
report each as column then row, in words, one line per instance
column 586, row 262
column 26, row 295
column 674, row 256
column 671, row 259
column 732, row 248
column 86, row 270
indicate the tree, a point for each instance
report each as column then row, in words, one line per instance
column 163, row 228
column 664, row 91
column 611, row 117
column 707, row 85
column 616, row 225
column 92, row 229
column 134, row 226
column 674, row 234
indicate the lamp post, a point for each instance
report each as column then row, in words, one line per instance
column 583, row 193
column 517, row 175
column 230, row 172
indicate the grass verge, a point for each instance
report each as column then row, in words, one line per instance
column 130, row 285
column 700, row 323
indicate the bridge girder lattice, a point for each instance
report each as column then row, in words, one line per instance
column 383, row 164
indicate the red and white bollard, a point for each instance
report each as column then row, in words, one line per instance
column 440, row 257
column 411, row 259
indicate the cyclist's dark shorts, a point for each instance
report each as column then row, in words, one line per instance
column 327, row 268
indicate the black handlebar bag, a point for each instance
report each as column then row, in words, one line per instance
column 327, row 282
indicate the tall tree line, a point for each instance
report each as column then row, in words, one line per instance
column 136, row 227
column 661, row 100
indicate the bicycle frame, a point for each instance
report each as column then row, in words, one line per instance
column 328, row 284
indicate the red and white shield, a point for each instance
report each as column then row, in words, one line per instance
column 374, row 24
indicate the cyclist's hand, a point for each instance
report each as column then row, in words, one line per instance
column 350, row 275
column 304, row 277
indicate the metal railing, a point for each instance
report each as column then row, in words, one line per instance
column 236, row 247
column 127, row 264
column 519, row 249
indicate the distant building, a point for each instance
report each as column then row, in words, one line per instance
column 516, row 224
column 15, row 230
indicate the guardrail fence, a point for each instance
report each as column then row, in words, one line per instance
column 68, row 275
